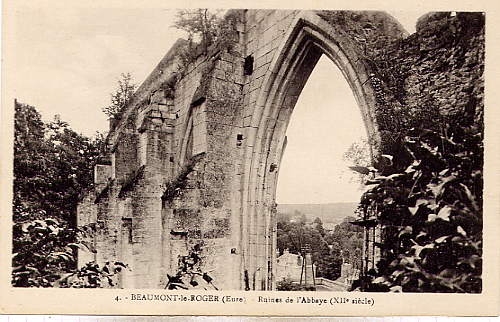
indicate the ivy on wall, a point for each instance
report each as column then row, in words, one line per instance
column 429, row 204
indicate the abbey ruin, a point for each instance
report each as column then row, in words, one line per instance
column 194, row 160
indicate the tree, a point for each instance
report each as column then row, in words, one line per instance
column 201, row 25
column 347, row 240
column 359, row 155
column 29, row 161
column 52, row 166
column 330, row 265
column 296, row 235
column 121, row 97
column 318, row 224
column 205, row 29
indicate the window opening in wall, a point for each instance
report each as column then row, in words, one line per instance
column 239, row 139
column 127, row 228
column 248, row 66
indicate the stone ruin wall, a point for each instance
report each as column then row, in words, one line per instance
column 189, row 165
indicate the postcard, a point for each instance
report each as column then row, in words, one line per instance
column 278, row 160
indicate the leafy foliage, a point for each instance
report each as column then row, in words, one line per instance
column 52, row 166
column 190, row 273
column 200, row 24
column 121, row 97
column 429, row 203
column 93, row 276
column 428, row 195
column 358, row 154
column 205, row 29
column 131, row 181
column 43, row 249
column 174, row 188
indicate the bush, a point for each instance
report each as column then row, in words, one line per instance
column 205, row 29
column 429, row 204
column 288, row 285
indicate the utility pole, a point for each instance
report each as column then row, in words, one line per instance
column 307, row 260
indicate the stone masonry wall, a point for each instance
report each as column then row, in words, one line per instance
column 195, row 157
column 443, row 65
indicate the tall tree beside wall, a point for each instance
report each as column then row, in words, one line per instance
column 52, row 166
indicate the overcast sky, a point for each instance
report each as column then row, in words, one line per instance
column 67, row 61
column 325, row 122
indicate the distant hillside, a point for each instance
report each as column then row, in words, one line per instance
column 328, row 213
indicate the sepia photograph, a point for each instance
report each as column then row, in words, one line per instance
column 209, row 150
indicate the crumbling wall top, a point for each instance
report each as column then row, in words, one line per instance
column 166, row 68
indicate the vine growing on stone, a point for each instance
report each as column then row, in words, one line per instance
column 190, row 272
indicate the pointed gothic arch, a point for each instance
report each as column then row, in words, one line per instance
column 308, row 38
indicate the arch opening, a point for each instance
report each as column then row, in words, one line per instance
column 315, row 190
column 323, row 124
column 306, row 43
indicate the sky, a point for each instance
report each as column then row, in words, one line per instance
column 325, row 122
column 67, row 61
